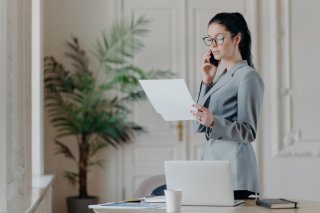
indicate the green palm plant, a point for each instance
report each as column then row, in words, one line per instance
column 92, row 110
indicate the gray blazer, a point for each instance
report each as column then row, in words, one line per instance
column 235, row 100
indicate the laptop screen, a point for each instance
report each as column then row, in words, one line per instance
column 202, row 182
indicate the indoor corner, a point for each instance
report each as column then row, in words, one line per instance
column 159, row 106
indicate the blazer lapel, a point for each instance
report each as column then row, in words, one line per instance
column 222, row 81
column 225, row 79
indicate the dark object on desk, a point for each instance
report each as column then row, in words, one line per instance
column 159, row 191
column 242, row 194
column 277, row 203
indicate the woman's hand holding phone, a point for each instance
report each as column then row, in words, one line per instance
column 208, row 69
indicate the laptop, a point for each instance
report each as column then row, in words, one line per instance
column 202, row 182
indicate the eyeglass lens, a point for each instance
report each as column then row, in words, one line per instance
column 218, row 40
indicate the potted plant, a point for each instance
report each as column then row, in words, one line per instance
column 95, row 111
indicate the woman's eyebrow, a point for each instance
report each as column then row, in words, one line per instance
column 215, row 35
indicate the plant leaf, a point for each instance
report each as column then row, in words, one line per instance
column 63, row 149
column 72, row 177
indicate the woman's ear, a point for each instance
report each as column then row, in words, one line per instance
column 238, row 38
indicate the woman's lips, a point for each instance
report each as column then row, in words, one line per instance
column 215, row 52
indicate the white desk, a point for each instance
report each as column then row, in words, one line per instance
column 247, row 207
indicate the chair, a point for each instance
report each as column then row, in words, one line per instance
column 149, row 184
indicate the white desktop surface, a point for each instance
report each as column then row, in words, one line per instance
column 247, row 207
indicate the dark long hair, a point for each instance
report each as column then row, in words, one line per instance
column 235, row 23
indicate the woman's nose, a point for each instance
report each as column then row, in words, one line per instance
column 214, row 44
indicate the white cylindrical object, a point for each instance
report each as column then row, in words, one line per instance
column 173, row 200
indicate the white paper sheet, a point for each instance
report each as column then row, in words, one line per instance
column 128, row 205
column 169, row 97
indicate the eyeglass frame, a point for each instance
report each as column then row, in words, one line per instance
column 214, row 39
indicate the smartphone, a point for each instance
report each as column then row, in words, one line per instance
column 213, row 60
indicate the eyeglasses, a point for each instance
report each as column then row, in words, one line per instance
column 219, row 39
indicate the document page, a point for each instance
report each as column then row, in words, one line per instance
column 128, row 205
column 169, row 97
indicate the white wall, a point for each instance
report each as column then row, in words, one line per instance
column 290, row 150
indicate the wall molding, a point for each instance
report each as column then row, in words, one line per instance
column 286, row 141
column 15, row 94
column 3, row 108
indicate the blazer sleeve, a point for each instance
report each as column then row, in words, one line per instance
column 202, row 91
column 244, row 128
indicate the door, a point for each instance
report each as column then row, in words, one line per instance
column 165, row 50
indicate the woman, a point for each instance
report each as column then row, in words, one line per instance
column 228, row 107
